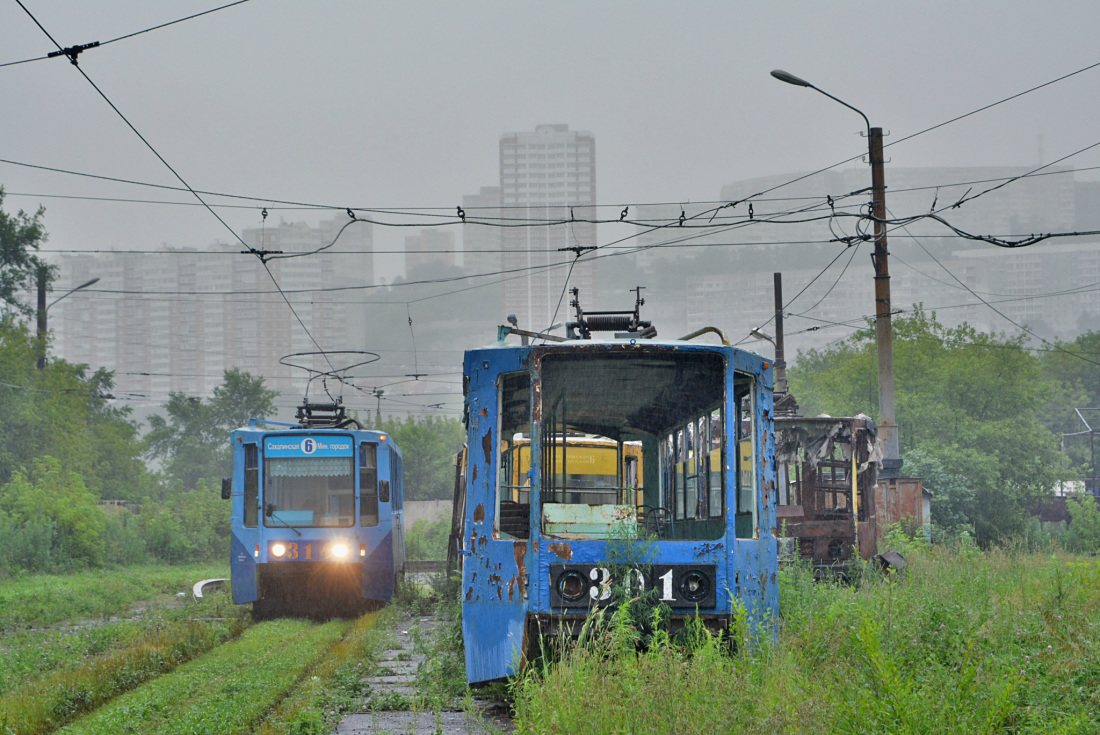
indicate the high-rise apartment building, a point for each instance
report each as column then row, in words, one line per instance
column 547, row 176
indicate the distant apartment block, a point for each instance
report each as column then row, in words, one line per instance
column 1052, row 287
column 481, row 235
column 547, row 175
column 428, row 248
column 172, row 320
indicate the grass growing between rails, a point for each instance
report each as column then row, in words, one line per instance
column 43, row 599
column 965, row 642
column 227, row 691
column 334, row 687
column 105, row 662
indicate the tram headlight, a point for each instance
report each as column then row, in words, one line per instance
column 695, row 586
column 339, row 550
column 278, row 550
column 572, row 585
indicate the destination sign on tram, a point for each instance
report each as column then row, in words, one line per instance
column 308, row 446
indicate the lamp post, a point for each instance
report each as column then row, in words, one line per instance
column 888, row 428
column 44, row 308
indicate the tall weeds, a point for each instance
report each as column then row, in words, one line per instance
column 964, row 642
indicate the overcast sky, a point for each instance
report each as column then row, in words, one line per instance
column 401, row 104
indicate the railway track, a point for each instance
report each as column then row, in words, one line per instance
column 213, row 670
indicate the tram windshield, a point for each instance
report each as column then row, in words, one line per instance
column 660, row 418
column 309, row 491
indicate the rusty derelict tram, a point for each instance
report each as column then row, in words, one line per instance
column 317, row 515
column 534, row 556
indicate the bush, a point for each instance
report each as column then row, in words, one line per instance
column 53, row 522
column 1084, row 526
column 122, row 543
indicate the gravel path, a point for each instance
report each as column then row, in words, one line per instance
column 396, row 680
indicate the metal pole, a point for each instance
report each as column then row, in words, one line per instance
column 888, row 428
column 43, row 283
column 780, row 362
column 1092, row 448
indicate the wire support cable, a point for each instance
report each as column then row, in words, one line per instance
column 73, row 51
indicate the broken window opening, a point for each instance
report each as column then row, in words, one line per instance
column 632, row 444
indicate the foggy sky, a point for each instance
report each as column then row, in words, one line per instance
column 401, row 104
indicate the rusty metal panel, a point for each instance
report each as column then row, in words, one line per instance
column 834, row 462
column 900, row 498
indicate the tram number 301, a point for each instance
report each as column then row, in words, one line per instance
column 678, row 585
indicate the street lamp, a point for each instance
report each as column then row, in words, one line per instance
column 44, row 308
column 888, row 428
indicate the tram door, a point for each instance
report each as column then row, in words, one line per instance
column 496, row 570
column 244, row 547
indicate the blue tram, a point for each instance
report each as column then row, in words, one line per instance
column 535, row 543
column 317, row 515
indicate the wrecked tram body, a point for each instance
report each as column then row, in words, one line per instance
column 691, row 428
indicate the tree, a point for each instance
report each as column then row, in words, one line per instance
column 63, row 412
column 428, row 446
column 1074, row 368
column 20, row 235
column 193, row 440
column 968, row 400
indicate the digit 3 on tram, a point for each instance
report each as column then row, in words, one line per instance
column 317, row 515
column 690, row 426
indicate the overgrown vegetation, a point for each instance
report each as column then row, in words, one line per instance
column 966, row 641
column 428, row 446
column 108, row 661
column 35, row 601
column 334, row 687
column 980, row 415
column 192, row 439
column 427, row 540
column 226, row 691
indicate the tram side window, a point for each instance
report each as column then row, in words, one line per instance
column 251, row 485
column 398, row 481
column 746, row 484
column 714, row 464
column 368, row 485
column 513, row 500
column 694, row 467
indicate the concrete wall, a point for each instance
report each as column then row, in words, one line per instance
column 427, row 510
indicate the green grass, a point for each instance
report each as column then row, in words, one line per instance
column 334, row 687
column 226, row 691
column 134, row 652
column 967, row 642
column 41, row 600
column 27, row 656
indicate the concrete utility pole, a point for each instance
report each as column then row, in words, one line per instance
column 43, row 284
column 884, row 332
column 44, row 308
column 884, row 328
column 780, row 362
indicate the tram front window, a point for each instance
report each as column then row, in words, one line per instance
column 608, row 468
column 309, row 491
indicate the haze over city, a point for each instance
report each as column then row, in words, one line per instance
column 389, row 106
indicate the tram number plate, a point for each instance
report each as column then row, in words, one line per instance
column 677, row 585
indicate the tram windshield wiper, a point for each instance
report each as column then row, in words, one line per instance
column 269, row 511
